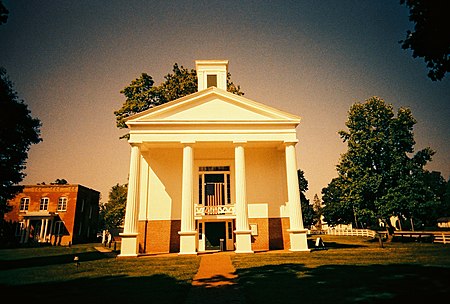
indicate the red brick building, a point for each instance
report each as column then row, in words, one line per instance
column 56, row 214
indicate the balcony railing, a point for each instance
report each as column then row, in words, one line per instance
column 201, row 210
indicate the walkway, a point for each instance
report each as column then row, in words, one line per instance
column 215, row 281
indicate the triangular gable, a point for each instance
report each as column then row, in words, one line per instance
column 214, row 105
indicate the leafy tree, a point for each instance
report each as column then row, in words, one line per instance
column 18, row 131
column 338, row 209
column 377, row 177
column 112, row 214
column 446, row 200
column 142, row 94
column 3, row 13
column 307, row 209
column 318, row 211
column 59, row 181
column 431, row 37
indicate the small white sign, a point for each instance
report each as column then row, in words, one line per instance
column 254, row 229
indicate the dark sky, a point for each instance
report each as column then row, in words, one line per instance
column 70, row 59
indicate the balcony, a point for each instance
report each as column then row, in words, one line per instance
column 201, row 210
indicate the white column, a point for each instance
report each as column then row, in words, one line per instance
column 187, row 233
column 297, row 233
column 41, row 233
column 24, row 231
column 243, row 232
column 129, row 245
column 45, row 230
column 27, row 233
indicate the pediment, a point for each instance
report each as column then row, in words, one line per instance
column 212, row 105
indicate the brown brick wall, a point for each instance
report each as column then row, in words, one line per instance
column 72, row 217
column 272, row 234
column 158, row 236
column 285, row 226
column 260, row 241
column 278, row 235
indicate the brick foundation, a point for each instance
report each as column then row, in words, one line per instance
column 159, row 236
column 260, row 241
column 278, row 235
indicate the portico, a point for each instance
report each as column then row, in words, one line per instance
column 212, row 166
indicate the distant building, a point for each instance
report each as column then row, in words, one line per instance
column 56, row 214
column 443, row 222
column 212, row 171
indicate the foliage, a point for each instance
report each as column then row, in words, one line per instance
column 318, row 211
column 112, row 214
column 141, row 94
column 377, row 177
column 307, row 210
column 431, row 37
column 60, row 181
column 18, row 131
column 3, row 13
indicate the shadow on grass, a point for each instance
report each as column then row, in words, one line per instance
column 52, row 260
column 295, row 283
column 114, row 289
column 224, row 294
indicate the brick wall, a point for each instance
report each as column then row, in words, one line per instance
column 260, row 241
column 159, row 236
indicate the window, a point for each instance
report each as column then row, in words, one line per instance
column 24, row 203
column 62, row 204
column 44, row 204
column 214, row 186
column 230, row 230
column 211, row 81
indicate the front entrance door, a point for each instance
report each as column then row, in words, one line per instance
column 214, row 232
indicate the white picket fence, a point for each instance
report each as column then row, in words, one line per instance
column 438, row 237
column 443, row 238
column 353, row 232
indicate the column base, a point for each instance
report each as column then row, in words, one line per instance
column 129, row 246
column 299, row 240
column 243, row 241
column 188, row 242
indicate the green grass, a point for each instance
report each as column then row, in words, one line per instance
column 49, row 274
column 351, row 270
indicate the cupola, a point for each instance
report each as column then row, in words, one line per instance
column 212, row 73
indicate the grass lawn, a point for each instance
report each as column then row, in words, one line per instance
column 351, row 270
column 49, row 274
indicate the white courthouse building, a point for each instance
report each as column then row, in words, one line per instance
column 212, row 171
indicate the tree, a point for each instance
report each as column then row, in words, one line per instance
column 3, row 13
column 141, row 94
column 431, row 37
column 318, row 211
column 112, row 214
column 18, row 131
column 59, row 181
column 377, row 177
column 307, row 209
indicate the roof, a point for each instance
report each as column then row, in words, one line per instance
column 213, row 105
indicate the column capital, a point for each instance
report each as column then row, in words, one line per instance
column 240, row 142
column 188, row 142
column 290, row 142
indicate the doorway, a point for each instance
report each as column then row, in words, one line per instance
column 214, row 232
